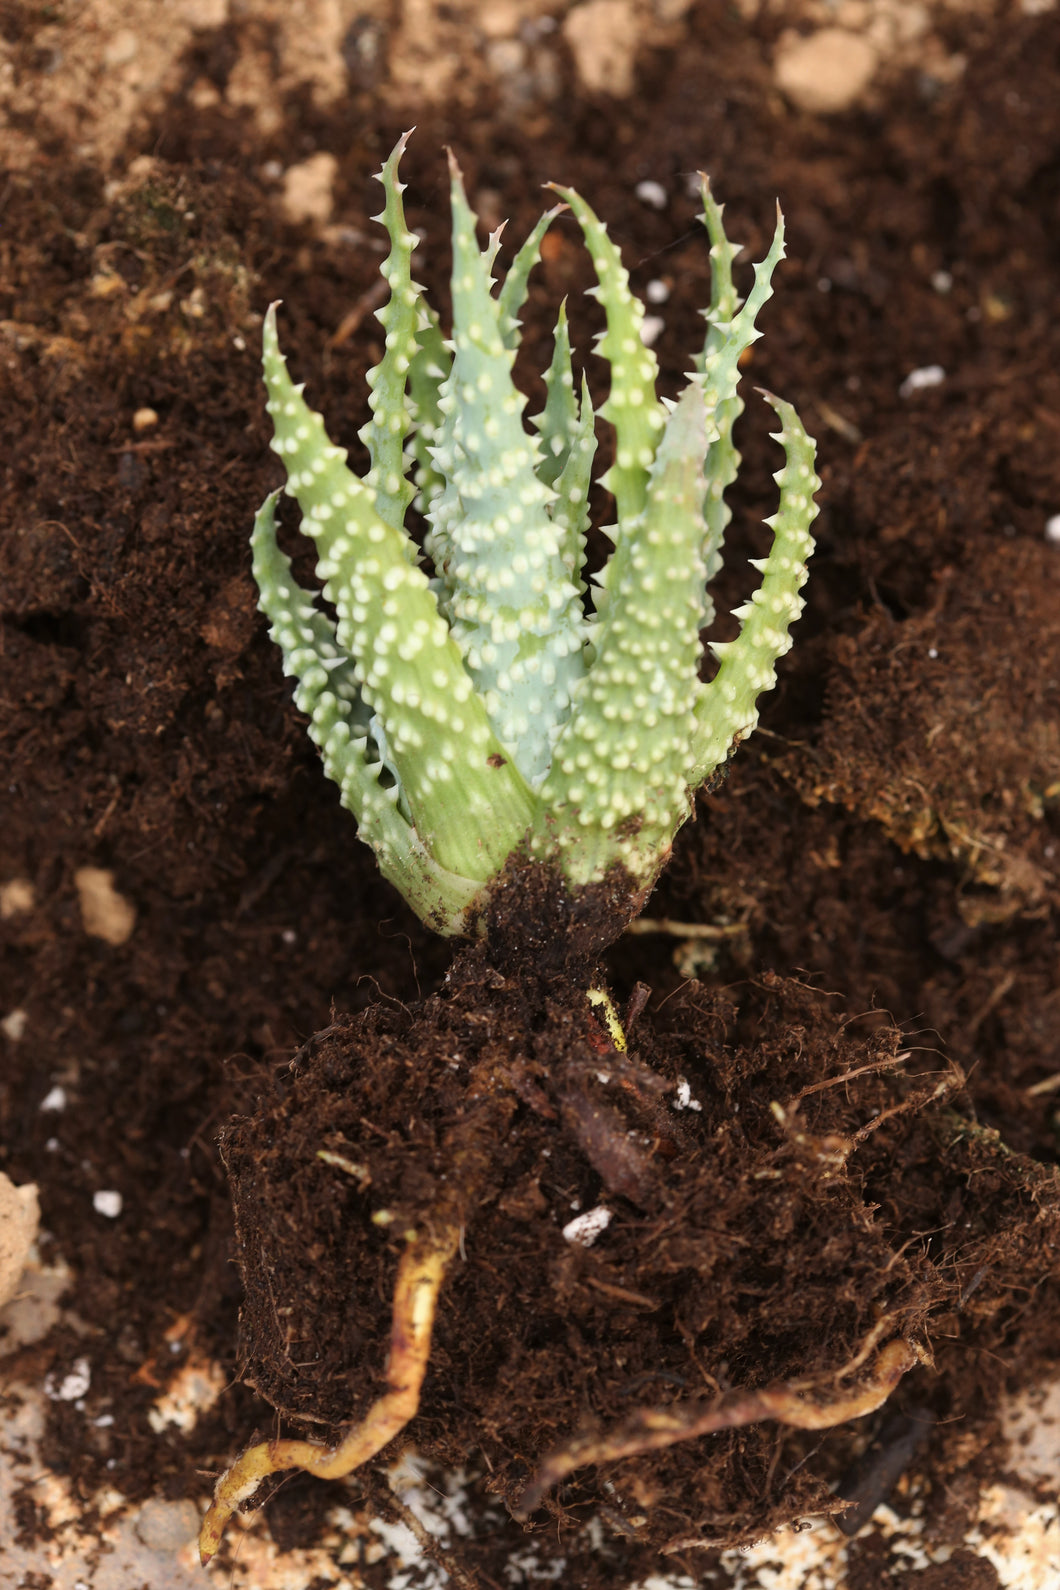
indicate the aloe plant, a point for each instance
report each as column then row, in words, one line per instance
column 487, row 705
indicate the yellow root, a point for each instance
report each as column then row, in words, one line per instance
column 601, row 1000
column 419, row 1280
column 651, row 1428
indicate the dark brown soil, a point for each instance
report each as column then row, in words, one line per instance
column 891, row 837
column 797, row 1205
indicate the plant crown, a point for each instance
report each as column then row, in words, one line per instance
column 486, row 707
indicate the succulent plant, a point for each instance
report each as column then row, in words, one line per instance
column 487, row 705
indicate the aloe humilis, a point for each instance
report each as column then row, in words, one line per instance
column 487, row 707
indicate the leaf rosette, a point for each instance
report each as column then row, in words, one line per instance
column 490, row 704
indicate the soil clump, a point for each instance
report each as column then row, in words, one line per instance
column 784, row 1194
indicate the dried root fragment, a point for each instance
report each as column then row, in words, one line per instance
column 649, row 1429
column 419, row 1280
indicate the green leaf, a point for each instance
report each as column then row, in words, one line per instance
column 401, row 317
column 327, row 684
column 570, row 508
column 567, row 436
column 558, row 423
column 727, row 710
column 512, row 295
column 727, row 341
column 618, row 788
column 723, row 460
column 468, row 802
column 632, row 406
column 514, row 610
column 328, row 693
column 430, row 365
